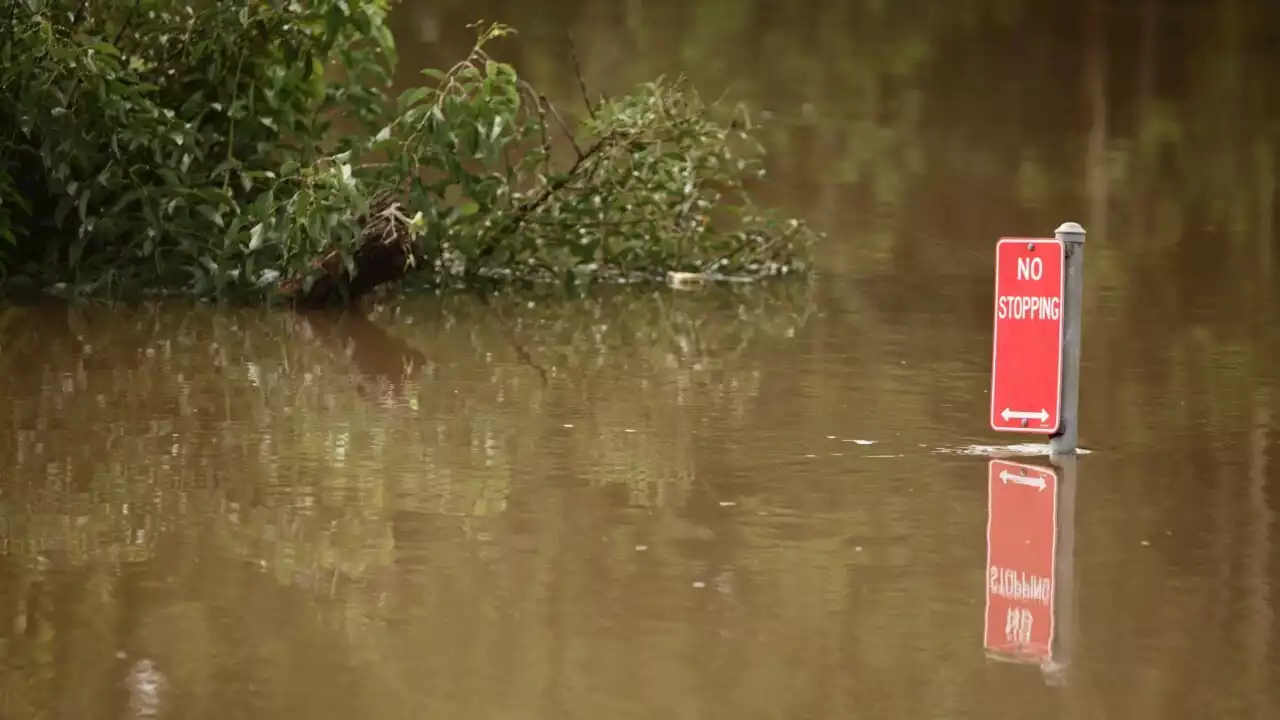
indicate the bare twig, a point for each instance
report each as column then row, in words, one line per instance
column 582, row 83
column 560, row 121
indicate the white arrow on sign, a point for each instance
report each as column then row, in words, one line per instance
column 1036, row 482
column 1007, row 414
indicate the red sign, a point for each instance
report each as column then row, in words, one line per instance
column 1021, row 538
column 1026, row 353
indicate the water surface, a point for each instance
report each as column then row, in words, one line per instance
column 704, row 505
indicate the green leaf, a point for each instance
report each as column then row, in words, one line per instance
column 83, row 208
column 386, row 42
column 333, row 25
column 255, row 237
column 104, row 48
column 412, row 97
column 224, row 167
column 211, row 214
column 76, row 251
column 60, row 212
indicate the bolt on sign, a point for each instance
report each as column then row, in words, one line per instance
column 1022, row 530
column 1026, row 353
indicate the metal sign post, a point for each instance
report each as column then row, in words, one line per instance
column 1071, row 235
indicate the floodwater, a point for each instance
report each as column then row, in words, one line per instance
column 711, row 505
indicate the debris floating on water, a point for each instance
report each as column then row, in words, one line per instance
column 145, row 684
column 859, row 442
column 685, row 280
column 727, row 503
column 642, row 548
column 699, row 584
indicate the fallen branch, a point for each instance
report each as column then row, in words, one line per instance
column 524, row 211
column 636, row 201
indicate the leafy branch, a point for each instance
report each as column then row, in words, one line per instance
column 205, row 165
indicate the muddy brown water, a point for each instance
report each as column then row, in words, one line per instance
column 704, row 505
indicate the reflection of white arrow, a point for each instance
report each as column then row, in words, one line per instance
column 1042, row 416
column 1036, row 482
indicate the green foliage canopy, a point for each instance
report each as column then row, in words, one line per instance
column 191, row 147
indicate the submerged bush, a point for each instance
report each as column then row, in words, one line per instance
column 187, row 147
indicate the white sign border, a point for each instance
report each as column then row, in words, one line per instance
column 1062, row 329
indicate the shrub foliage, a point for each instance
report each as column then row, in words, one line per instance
column 190, row 147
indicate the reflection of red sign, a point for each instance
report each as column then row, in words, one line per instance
column 1026, row 352
column 1021, row 531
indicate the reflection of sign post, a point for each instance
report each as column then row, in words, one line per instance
column 1026, row 354
column 1021, row 538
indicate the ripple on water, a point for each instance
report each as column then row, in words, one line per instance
column 1015, row 450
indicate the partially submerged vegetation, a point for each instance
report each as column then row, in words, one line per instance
column 171, row 146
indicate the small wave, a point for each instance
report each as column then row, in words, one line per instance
column 1016, row 450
